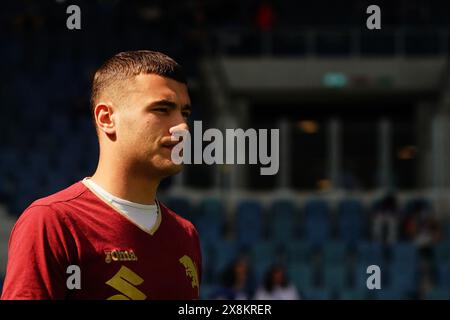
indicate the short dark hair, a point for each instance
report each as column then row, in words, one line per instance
column 128, row 64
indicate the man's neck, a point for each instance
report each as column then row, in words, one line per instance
column 123, row 184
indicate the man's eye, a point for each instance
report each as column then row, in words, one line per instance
column 186, row 114
column 161, row 110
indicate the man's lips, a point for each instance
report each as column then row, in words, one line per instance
column 167, row 143
column 168, row 147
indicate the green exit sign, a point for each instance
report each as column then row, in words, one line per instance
column 335, row 80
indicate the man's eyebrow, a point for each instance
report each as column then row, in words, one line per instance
column 163, row 102
column 169, row 104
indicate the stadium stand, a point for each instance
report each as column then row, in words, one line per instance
column 322, row 235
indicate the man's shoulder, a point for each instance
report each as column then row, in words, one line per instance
column 70, row 193
column 50, row 207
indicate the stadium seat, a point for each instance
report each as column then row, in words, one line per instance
column 264, row 251
column 317, row 223
column 259, row 270
column 222, row 254
column 370, row 252
column 334, row 252
column 404, row 253
column 446, row 230
column 443, row 275
column 301, row 275
column 441, row 252
column 350, row 214
column 206, row 262
column 248, row 222
column 211, row 220
column 335, row 276
column 264, row 255
column 282, row 221
column 298, row 251
column 403, row 277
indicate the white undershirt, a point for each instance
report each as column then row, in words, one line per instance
column 143, row 215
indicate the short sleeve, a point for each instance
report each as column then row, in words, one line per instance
column 39, row 253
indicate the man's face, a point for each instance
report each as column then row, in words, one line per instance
column 150, row 106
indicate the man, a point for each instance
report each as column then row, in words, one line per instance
column 126, row 244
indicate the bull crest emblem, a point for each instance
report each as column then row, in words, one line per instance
column 191, row 270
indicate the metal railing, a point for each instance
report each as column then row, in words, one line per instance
column 336, row 41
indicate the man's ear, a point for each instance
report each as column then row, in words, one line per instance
column 104, row 117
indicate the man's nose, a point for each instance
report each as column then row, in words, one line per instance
column 179, row 127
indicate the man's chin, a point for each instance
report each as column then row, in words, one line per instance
column 172, row 169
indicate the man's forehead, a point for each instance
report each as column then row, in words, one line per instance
column 161, row 88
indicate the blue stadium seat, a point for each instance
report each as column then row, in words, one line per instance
column 298, row 251
column 263, row 251
column 263, row 255
column 206, row 262
column 403, row 277
column 211, row 220
column 335, row 276
column 222, row 253
column 441, row 252
column 317, row 222
column 350, row 213
column 370, row 252
column 446, row 230
column 259, row 270
column 404, row 253
column 248, row 222
column 334, row 252
column 301, row 275
column 443, row 275
column 282, row 222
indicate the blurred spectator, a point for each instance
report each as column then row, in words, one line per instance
column 385, row 221
column 234, row 282
column 276, row 286
column 421, row 226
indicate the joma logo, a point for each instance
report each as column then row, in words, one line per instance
column 120, row 255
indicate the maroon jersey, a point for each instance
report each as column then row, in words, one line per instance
column 116, row 258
